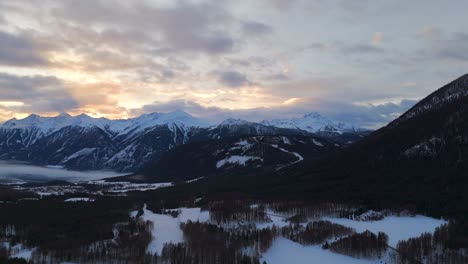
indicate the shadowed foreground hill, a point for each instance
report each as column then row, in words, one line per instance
column 420, row 159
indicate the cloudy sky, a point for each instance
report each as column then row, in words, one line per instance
column 362, row 61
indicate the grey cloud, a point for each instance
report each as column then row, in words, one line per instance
column 38, row 93
column 232, row 78
column 361, row 48
column 453, row 48
column 256, row 28
column 372, row 116
column 254, row 61
column 18, row 50
column 182, row 27
column 282, row 5
column 279, row 77
column 344, row 48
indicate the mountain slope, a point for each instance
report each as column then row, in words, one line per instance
column 235, row 156
column 86, row 143
column 419, row 160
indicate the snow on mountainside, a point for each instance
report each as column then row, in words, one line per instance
column 86, row 143
column 234, row 156
column 180, row 118
column 48, row 125
column 314, row 123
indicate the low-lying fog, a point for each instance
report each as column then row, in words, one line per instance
column 13, row 172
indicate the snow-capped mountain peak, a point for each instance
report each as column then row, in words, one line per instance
column 179, row 118
column 233, row 121
column 312, row 122
column 48, row 125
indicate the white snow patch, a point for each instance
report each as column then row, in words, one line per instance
column 397, row 228
column 19, row 251
column 80, row 199
column 240, row 160
column 166, row 229
column 286, row 251
column 317, row 143
column 243, row 142
column 82, row 152
column 194, row 180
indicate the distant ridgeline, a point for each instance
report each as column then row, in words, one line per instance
column 86, row 143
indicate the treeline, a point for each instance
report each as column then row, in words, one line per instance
column 365, row 213
column 53, row 224
column 236, row 211
column 360, row 245
column 211, row 244
column 226, row 211
column 8, row 195
column 316, row 232
column 307, row 210
column 440, row 247
column 66, row 231
column 127, row 246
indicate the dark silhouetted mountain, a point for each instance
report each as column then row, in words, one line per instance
column 236, row 156
column 419, row 159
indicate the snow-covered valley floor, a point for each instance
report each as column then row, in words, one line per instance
column 167, row 230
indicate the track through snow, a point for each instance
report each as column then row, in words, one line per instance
column 298, row 156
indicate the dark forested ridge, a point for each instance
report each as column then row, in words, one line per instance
column 420, row 159
column 234, row 156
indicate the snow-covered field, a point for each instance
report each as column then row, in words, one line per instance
column 397, row 228
column 166, row 229
column 286, row 251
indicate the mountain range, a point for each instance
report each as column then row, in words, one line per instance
column 85, row 143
